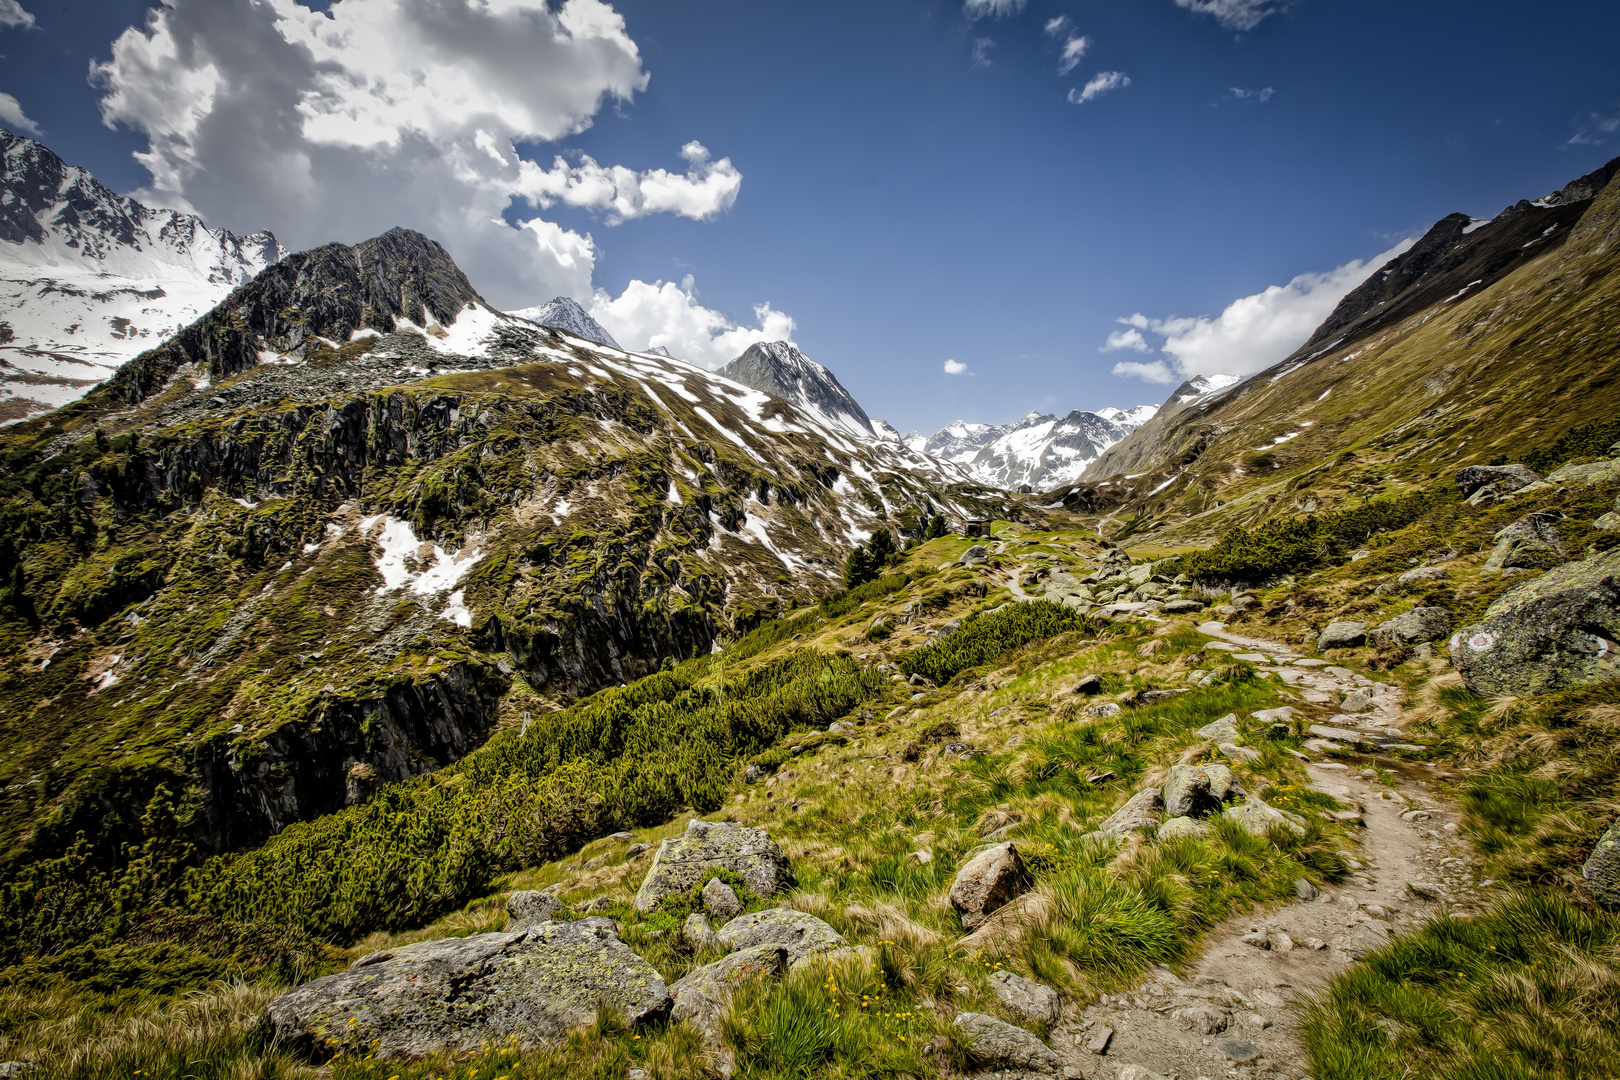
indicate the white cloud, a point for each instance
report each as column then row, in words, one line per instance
column 1099, row 85
column 1073, row 51
column 665, row 314
column 12, row 115
column 707, row 188
column 1153, row 371
column 12, row 15
column 1126, row 339
column 1238, row 93
column 1595, row 131
column 981, row 52
column 343, row 124
column 994, row 9
column 1251, row 334
column 954, row 367
column 1236, row 15
column 1057, row 25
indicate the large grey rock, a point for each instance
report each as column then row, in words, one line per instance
column 1140, row 811
column 1258, row 817
column 1512, row 477
column 1344, row 634
column 456, row 994
column 701, row 997
column 1412, row 628
column 1425, row 573
column 1223, row 730
column 977, row 555
column 682, row 862
column 800, row 934
column 998, row 1044
column 1179, row 827
column 1555, row 631
column 530, row 908
column 1203, row 1019
column 1030, row 1001
column 720, row 900
column 1184, row 606
column 1592, row 472
column 697, row 933
column 1197, row 789
column 1531, row 543
column 1602, row 869
column 986, row 882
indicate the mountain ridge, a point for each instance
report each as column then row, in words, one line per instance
column 565, row 313
column 778, row 368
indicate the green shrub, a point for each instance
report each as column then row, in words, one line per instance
column 982, row 638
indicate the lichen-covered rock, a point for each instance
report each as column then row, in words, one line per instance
column 987, row 881
column 1425, row 573
column 1592, row 472
column 1511, row 477
column 800, row 934
column 458, row 993
column 1412, row 628
column 682, row 862
column 1198, row 789
column 720, row 900
column 1602, row 869
column 1030, row 1001
column 697, row 933
column 1178, row 827
column 998, row 1044
column 977, row 555
column 1258, row 817
column 530, row 908
column 700, row 998
column 1344, row 634
column 1223, row 730
column 1531, row 543
column 1140, row 811
column 1555, row 631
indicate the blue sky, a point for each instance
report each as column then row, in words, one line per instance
column 909, row 183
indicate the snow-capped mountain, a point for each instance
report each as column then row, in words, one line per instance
column 1200, row 385
column 90, row 278
column 1040, row 450
column 778, row 369
column 565, row 314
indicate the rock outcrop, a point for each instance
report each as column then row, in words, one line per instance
column 1531, row 543
column 1509, row 477
column 529, row 908
column 998, row 1044
column 1030, row 1001
column 1555, row 631
column 1140, row 811
column 701, row 997
column 457, row 994
column 1192, row 790
column 1345, row 634
column 988, row 881
column 1259, row 818
column 681, row 863
column 802, row 936
column 1412, row 628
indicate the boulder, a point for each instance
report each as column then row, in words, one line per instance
column 1425, row 573
column 1089, row 684
column 1178, row 827
column 1184, row 606
column 1556, row 631
column 1283, row 713
column 1609, row 522
column 1592, row 472
column 1258, row 817
column 1412, row 628
column 1102, row 709
column 697, row 933
column 1602, row 869
column 800, row 934
column 1531, row 543
column 682, row 862
column 1223, row 730
column 997, row 1044
column 1203, row 1019
column 1137, row 1072
column 987, row 881
column 530, row 908
column 1140, row 811
column 458, row 994
column 1513, row 477
column 1234, row 752
column 977, row 555
column 1342, row 635
column 701, row 997
column 1198, row 789
column 720, row 901
column 1030, row 1001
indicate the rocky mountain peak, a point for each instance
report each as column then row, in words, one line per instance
column 781, row 370
column 565, row 313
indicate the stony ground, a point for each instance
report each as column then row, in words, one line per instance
column 1229, row 1015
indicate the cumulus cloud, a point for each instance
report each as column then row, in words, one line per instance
column 1153, row 371
column 981, row 52
column 993, row 9
column 669, row 315
column 12, row 115
column 954, row 367
column 1099, row 84
column 1251, row 334
column 707, row 187
column 12, row 16
column 1074, row 50
column 1236, row 15
column 344, row 123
